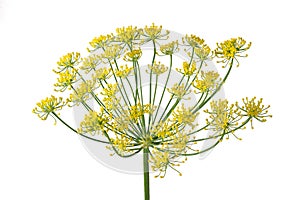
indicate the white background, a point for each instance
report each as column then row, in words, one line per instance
column 42, row 161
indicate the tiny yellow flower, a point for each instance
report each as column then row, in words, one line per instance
column 122, row 143
column 179, row 91
column 159, row 161
column 133, row 55
column 202, row 52
column 120, row 123
column 255, row 109
column 123, row 71
column 94, row 122
column 65, row 80
column 187, row 69
column 232, row 48
column 185, row 116
column 128, row 34
column 158, row 68
column 100, row 42
column 90, row 63
column 111, row 103
column 154, row 32
column 83, row 92
column 110, row 91
column 207, row 82
column 223, row 117
column 138, row 110
column 162, row 129
column 179, row 141
column 111, row 53
column 170, row 48
column 193, row 41
column 69, row 60
column 47, row 106
column 102, row 73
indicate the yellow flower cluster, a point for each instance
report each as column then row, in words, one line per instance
column 94, row 122
column 169, row 48
column 133, row 56
column 82, row 92
column 184, row 116
column 100, row 42
column 154, row 32
column 111, row 52
column 68, row 61
column 207, row 82
column 178, row 142
column 48, row 105
column 158, row 68
column 102, row 73
column 193, row 41
column 111, row 103
column 110, row 91
column 110, row 99
column 120, row 123
column 203, row 52
column 138, row 110
column 187, row 69
column 90, row 63
column 162, row 129
column 223, row 117
column 127, row 34
column 65, row 80
column 159, row 161
column 122, row 143
column 123, row 71
column 255, row 109
column 231, row 49
column 178, row 91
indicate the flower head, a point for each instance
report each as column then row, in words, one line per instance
column 223, row 117
column 185, row 116
column 65, row 80
column 170, row 48
column 110, row 91
column 122, row 143
column 111, row 52
column 231, row 49
column 208, row 81
column 202, row 52
column 133, row 56
column 187, row 69
column 134, row 112
column 94, row 122
column 82, row 92
column 68, row 61
column 123, row 71
column 158, row 68
column 179, row 91
column 128, row 34
column 100, row 42
column 102, row 73
column 90, row 63
column 193, row 41
column 47, row 106
column 162, row 129
column 159, row 162
column 255, row 109
column 154, row 32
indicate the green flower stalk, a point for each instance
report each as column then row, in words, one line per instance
column 130, row 118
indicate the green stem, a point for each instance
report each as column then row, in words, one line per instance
column 146, row 174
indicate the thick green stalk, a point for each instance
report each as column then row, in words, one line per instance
column 146, row 173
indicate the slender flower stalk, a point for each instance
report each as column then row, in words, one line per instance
column 160, row 125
